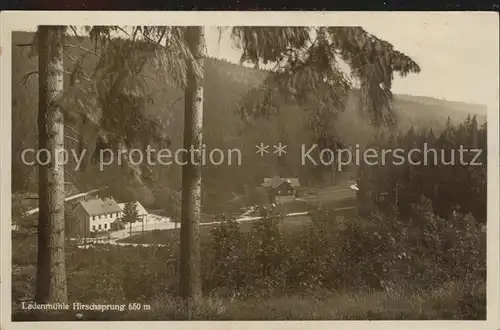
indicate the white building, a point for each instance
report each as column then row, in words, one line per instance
column 96, row 214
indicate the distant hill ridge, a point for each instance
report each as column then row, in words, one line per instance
column 478, row 109
column 410, row 106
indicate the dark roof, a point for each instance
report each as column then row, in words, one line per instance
column 99, row 206
column 276, row 181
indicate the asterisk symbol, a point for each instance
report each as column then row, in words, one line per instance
column 279, row 149
column 262, row 149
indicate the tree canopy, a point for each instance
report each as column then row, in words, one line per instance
column 309, row 71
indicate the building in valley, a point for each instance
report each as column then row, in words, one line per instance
column 281, row 189
column 96, row 214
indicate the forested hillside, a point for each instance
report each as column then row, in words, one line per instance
column 225, row 85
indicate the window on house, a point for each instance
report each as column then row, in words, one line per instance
column 93, row 227
column 105, row 226
column 99, row 226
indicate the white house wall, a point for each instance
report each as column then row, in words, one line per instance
column 104, row 221
column 91, row 223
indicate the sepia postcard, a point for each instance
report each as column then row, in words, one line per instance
column 315, row 169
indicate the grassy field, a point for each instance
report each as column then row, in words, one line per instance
column 445, row 303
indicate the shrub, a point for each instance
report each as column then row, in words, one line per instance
column 252, row 263
column 425, row 250
column 313, row 261
column 24, row 249
column 269, row 255
column 228, row 250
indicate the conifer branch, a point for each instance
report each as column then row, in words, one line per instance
column 171, row 105
column 74, row 31
column 161, row 36
column 74, row 60
column 72, row 177
column 72, row 138
column 25, row 78
column 78, row 76
column 76, row 132
column 83, row 48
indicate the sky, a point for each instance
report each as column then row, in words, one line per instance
column 458, row 52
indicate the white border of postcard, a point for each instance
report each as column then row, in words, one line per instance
column 17, row 21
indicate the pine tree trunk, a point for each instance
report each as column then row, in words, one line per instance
column 190, row 278
column 51, row 283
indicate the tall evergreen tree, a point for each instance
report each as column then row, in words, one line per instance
column 91, row 102
column 473, row 141
column 51, row 285
column 130, row 215
column 190, row 277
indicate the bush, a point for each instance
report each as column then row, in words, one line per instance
column 252, row 263
column 314, row 260
column 376, row 252
column 24, row 249
column 268, row 254
column 227, row 252
column 426, row 250
column 117, row 225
